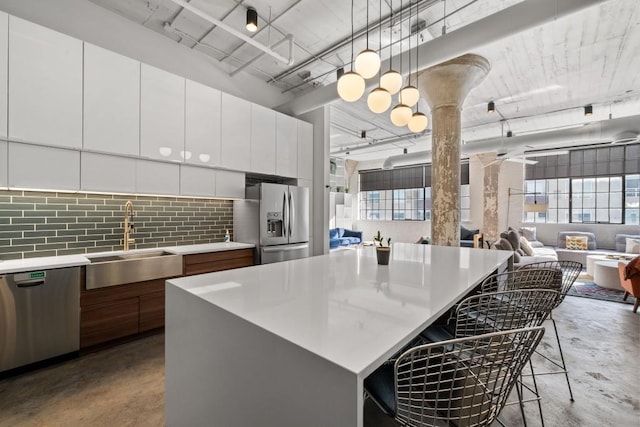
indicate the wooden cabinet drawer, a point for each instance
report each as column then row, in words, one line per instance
column 105, row 322
column 151, row 311
column 217, row 261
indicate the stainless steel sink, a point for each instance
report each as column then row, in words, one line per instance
column 113, row 270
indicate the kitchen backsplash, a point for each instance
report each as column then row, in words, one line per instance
column 36, row 224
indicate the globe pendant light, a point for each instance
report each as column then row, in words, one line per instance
column 391, row 80
column 351, row 85
column 367, row 61
column 409, row 94
column 418, row 122
column 379, row 99
column 401, row 114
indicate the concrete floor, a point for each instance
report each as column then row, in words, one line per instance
column 124, row 386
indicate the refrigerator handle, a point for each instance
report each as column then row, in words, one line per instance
column 291, row 214
column 284, row 214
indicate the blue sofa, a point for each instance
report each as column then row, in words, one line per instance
column 344, row 237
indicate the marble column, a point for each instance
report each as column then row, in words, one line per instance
column 445, row 86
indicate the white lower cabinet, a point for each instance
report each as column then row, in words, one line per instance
column 101, row 172
column 46, row 168
column 197, row 182
column 3, row 164
column 230, row 184
column 157, row 177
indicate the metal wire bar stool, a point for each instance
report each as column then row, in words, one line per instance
column 499, row 311
column 526, row 278
column 461, row 382
column 570, row 271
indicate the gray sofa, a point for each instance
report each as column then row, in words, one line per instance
column 565, row 254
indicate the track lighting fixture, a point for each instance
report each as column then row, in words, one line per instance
column 588, row 110
column 252, row 20
column 491, row 107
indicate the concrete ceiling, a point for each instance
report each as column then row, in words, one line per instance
column 540, row 78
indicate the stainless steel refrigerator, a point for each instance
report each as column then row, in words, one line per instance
column 274, row 217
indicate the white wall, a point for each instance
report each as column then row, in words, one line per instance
column 86, row 21
column 605, row 233
column 399, row 231
column 320, row 204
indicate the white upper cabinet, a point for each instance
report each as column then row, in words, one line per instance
column 263, row 140
column 286, row 146
column 161, row 114
column 157, row 177
column 101, row 172
column 230, row 184
column 236, row 133
column 111, row 102
column 305, row 150
column 45, row 83
column 47, row 168
column 199, row 182
column 4, row 63
column 3, row 164
column 202, row 125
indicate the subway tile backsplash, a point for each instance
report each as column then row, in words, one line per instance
column 34, row 224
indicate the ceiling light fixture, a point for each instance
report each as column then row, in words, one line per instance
column 491, row 107
column 252, row 20
column 401, row 113
column 391, row 80
column 409, row 95
column 379, row 99
column 418, row 121
column 367, row 61
column 588, row 110
column 351, row 85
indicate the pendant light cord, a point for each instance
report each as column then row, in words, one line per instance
column 351, row 35
column 391, row 37
column 380, row 37
column 367, row 24
column 417, row 60
column 410, row 42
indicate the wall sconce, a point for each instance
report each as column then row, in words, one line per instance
column 252, row 20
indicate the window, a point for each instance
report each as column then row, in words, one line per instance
column 404, row 194
column 594, row 185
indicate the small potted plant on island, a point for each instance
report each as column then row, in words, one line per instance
column 382, row 252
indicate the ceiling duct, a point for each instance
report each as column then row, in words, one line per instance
column 625, row 137
column 604, row 131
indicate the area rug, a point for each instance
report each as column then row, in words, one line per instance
column 591, row 290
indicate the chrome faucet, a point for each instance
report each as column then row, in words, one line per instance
column 128, row 224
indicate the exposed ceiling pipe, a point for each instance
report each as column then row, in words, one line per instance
column 288, row 38
column 507, row 22
column 234, row 32
column 591, row 133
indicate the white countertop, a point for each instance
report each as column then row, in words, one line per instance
column 207, row 247
column 48, row 263
column 343, row 306
column 42, row 263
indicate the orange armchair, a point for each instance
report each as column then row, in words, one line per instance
column 631, row 286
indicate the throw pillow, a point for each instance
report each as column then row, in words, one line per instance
column 504, row 244
column 514, row 239
column 520, row 252
column 466, row 234
column 516, row 258
column 528, row 232
column 633, row 246
column 577, row 243
column 525, row 246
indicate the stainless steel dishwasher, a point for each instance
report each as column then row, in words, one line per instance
column 39, row 316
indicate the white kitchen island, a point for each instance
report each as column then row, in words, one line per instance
column 290, row 343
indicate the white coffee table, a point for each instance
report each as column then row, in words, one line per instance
column 592, row 259
column 605, row 274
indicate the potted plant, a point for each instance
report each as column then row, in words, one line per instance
column 382, row 252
